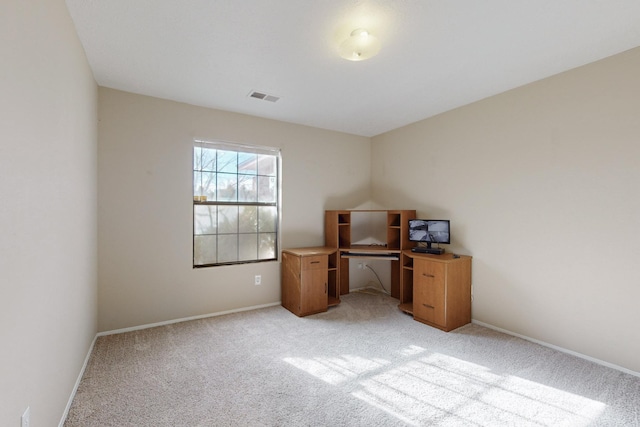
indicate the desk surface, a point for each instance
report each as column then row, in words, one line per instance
column 445, row 257
column 316, row 250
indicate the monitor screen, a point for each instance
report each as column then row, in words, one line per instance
column 429, row 231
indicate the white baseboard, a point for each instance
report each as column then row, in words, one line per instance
column 77, row 384
column 185, row 319
column 561, row 349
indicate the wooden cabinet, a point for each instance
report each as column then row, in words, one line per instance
column 338, row 234
column 305, row 279
column 441, row 288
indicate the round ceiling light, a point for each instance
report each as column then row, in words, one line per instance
column 360, row 45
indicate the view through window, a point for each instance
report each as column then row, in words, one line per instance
column 235, row 203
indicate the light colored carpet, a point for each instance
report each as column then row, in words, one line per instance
column 363, row 363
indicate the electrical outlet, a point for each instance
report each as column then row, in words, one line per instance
column 258, row 280
column 25, row 420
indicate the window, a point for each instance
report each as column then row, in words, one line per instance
column 236, row 195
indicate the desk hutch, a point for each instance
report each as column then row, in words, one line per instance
column 337, row 234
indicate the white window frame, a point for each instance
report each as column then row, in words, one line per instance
column 209, row 243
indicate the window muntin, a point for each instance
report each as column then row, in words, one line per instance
column 235, row 204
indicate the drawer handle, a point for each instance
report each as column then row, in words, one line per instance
column 314, row 262
column 428, row 275
column 428, row 306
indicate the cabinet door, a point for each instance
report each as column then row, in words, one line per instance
column 314, row 277
column 429, row 291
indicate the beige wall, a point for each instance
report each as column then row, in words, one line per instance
column 145, row 205
column 48, row 260
column 542, row 185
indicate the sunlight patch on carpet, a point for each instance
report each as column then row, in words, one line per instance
column 336, row 370
column 443, row 390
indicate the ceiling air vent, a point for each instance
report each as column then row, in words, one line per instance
column 263, row 96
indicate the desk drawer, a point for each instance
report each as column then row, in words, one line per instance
column 429, row 292
column 315, row 262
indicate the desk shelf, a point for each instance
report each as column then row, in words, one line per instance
column 406, row 284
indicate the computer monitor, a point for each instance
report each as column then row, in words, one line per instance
column 430, row 231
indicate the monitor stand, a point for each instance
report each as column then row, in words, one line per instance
column 428, row 250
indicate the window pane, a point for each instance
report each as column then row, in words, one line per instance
column 204, row 250
column 248, row 247
column 247, row 188
column 197, row 183
column 227, row 219
column 227, row 186
column 227, row 161
column 267, row 189
column 197, row 158
column 204, row 159
column 267, row 246
column 207, row 185
column 204, row 221
column 268, row 219
column 208, row 159
column 248, row 222
column 247, row 163
column 266, row 165
column 228, row 248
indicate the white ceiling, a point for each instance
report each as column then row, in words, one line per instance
column 436, row 54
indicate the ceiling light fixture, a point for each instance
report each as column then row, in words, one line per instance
column 360, row 45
